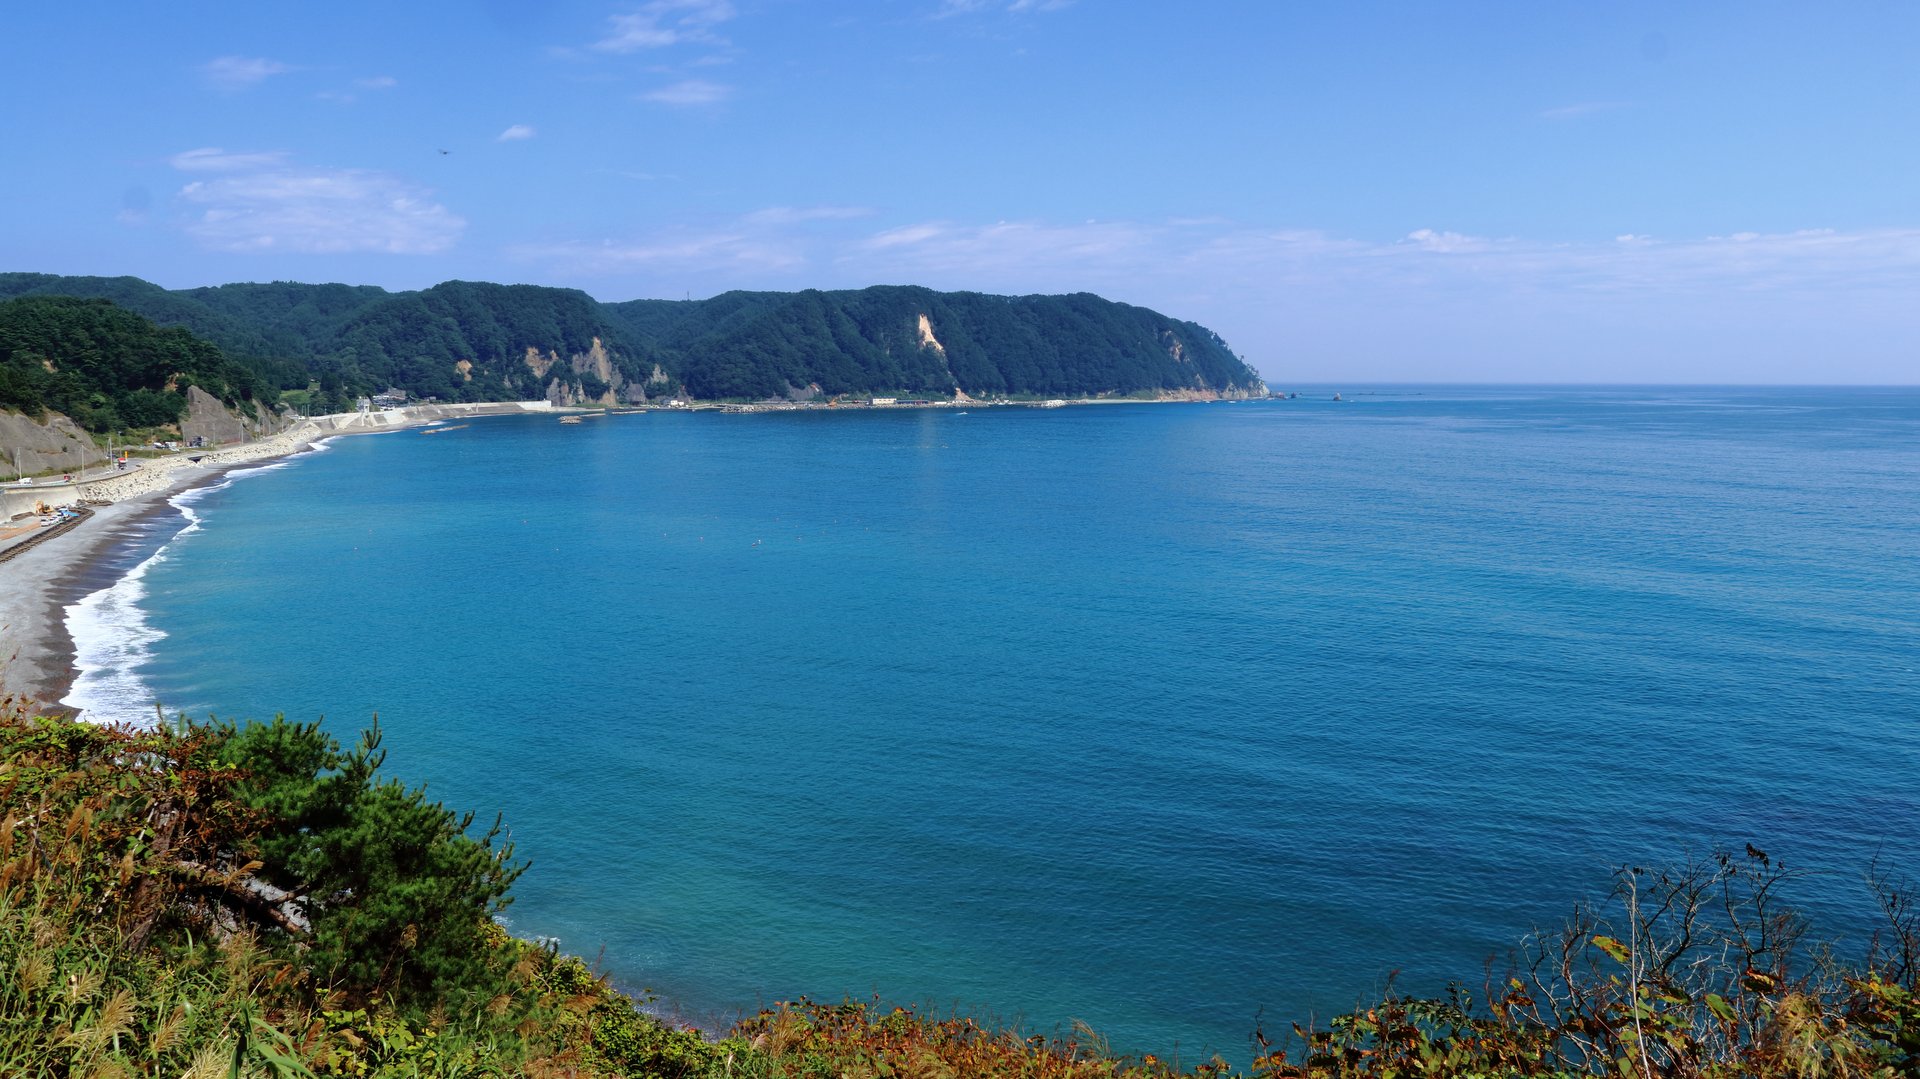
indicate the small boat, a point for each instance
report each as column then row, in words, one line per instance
column 569, row 419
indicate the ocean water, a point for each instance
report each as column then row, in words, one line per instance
column 1171, row 719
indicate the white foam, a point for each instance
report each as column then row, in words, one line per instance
column 112, row 638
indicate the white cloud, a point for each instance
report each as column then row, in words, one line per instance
column 1445, row 242
column 662, row 23
column 240, row 72
column 689, row 93
column 377, row 82
column 258, row 202
column 516, row 133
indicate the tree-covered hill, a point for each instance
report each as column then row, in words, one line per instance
column 283, row 317
column 106, row 367
column 916, row 340
column 475, row 341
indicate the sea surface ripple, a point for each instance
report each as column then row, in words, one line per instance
column 1171, row 719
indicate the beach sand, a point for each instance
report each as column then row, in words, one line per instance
column 36, row 652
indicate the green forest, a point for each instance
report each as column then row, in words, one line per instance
column 108, row 368
column 473, row 341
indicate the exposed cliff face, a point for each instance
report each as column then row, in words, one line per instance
column 219, row 425
column 568, row 380
column 596, row 360
column 927, row 339
column 206, row 419
column 50, row 442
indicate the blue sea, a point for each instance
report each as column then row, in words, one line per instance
column 1171, row 719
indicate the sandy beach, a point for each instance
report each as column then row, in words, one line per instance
column 36, row 652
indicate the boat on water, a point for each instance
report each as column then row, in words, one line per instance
column 443, row 429
column 569, row 419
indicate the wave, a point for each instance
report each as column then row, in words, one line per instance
column 112, row 640
column 112, row 636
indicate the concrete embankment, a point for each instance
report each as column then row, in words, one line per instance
column 147, row 475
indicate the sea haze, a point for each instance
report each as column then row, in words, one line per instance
column 1151, row 716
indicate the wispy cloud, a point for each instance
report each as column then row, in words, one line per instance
column 776, row 240
column 690, row 93
column 373, row 83
column 950, row 8
column 1630, row 306
column 793, row 215
column 516, row 133
column 214, row 159
column 241, row 72
column 1583, row 109
column 661, row 23
column 258, row 202
column 730, row 252
column 1209, row 254
column 904, row 236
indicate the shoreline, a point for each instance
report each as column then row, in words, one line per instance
column 37, row 650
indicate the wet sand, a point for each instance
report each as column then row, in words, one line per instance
column 36, row 654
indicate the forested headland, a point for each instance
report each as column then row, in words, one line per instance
column 107, row 368
column 473, row 341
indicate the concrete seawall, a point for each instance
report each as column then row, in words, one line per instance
column 146, row 475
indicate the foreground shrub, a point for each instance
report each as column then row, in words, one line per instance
column 221, row 900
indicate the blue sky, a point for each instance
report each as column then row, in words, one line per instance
column 1706, row 192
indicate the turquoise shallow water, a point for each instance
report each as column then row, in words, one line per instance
column 1148, row 716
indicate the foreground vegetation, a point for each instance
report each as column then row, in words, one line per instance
column 220, row 900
